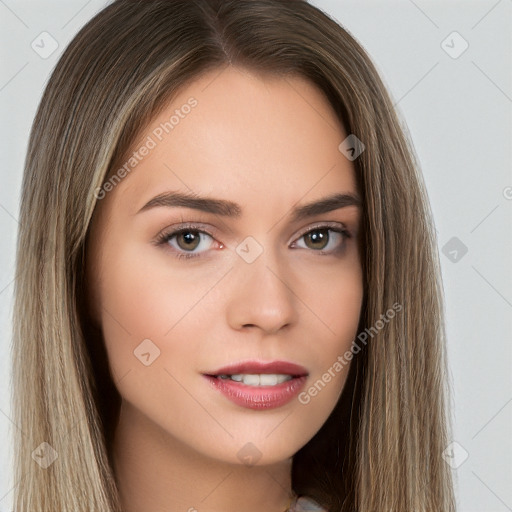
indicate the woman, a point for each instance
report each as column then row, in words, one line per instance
column 228, row 290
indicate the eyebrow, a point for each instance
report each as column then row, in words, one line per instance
column 227, row 208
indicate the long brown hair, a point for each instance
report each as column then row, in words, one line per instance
column 380, row 450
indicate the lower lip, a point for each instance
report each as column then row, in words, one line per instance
column 258, row 397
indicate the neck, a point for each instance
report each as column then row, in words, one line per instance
column 154, row 471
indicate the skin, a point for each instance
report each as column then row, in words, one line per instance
column 265, row 143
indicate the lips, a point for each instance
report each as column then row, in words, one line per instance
column 243, row 383
column 259, row 367
column 258, row 398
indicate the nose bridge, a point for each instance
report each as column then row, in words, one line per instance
column 262, row 295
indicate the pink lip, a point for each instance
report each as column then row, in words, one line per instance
column 254, row 367
column 258, row 397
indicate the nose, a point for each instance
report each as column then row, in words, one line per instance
column 261, row 296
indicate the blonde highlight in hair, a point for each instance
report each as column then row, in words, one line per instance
column 380, row 450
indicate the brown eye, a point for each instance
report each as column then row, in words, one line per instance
column 317, row 239
column 324, row 239
column 188, row 240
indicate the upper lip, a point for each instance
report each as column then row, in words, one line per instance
column 261, row 367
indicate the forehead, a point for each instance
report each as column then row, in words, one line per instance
column 238, row 134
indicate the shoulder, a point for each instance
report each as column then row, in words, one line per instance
column 305, row 504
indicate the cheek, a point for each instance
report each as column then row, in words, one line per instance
column 336, row 296
column 342, row 308
column 336, row 306
column 136, row 305
column 145, row 297
column 148, row 325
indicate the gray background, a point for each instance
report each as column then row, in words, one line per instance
column 458, row 111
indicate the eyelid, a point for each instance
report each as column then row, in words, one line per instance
column 325, row 224
column 175, row 229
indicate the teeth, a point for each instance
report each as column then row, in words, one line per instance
column 263, row 379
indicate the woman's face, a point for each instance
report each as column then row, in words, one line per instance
column 256, row 278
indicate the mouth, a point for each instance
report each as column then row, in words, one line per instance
column 257, row 385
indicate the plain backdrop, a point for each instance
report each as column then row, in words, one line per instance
column 448, row 67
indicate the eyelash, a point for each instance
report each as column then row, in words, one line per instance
column 164, row 238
